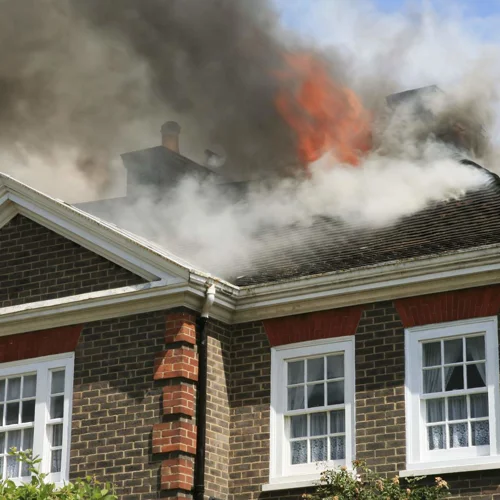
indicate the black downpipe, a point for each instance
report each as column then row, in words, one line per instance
column 201, row 412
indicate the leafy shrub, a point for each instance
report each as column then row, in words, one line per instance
column 37, row 489
column 343, row 484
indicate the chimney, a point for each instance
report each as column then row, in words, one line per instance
column 170, row 136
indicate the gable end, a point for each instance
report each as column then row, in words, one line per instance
column 38, row 264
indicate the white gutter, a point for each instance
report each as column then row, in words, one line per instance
column 113, row 303
column 232, row 304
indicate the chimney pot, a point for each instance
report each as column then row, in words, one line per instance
column 170, row 135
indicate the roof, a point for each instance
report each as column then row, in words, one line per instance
column 329, row 245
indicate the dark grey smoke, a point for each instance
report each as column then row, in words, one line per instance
column 78, row 73
column 214, row 60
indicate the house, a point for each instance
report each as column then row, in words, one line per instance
column 380, row 345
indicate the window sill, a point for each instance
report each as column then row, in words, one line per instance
column 291, row 484
column 433, row 469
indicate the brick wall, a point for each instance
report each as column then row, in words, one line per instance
column 380, row 410
column 218, row 411
column 380, row 414
column 38, row 264
column 250, row 400
column 116, row 404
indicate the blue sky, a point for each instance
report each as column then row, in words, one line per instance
column 479, row 12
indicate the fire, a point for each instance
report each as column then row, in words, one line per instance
column 325, row 116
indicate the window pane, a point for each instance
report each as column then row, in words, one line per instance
column 1, row 415
column 298, row 427
column 56, row 461
column 457, row 408
column 296, row 398
column 56, row 406
column 28, row 439
column 295, row 372
column 315, row 395
column 478, row 405
column 435, row 436
column 27, row 445
column 476, row 375
column 2, row 390
column 2, row 442
column 337, row 421
column 315, row 369
column 12, row 467
column 335, row 366
column 12, row 414
column 318, row 424
column 474, row 347
column 454, row 378
column 13, row 440
column 435, row 410
column 28, row 411
column 480, row 433
column 299, row 452
column 57, row 382
column 29, row 386
column 337, row 448
column 432, row 381
column 13, row 388
column 453, row 351
column 318, row 450
column 458, row 435
column 432, row 353
column 336, row 392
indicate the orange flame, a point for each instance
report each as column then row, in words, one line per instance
column 324, row 115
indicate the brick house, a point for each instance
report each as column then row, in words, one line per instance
column 380, row 345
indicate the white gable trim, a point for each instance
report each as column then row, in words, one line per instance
column 118, row 246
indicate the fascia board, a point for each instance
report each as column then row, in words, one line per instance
column 451, row 272
column 136, row 299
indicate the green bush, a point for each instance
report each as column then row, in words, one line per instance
column 37, row 489
column 343, row 484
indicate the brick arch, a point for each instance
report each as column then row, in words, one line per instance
column 449, row 306
column 40, row 343
column 313, row 326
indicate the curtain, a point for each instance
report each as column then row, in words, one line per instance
column 453, row 354
column 296, row 398
column 435, row 413
column 475, row 352
column 432, row 377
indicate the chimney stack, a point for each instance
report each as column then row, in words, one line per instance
column 170, row 136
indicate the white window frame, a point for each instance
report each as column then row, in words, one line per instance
column 41, row 439
column 280, row 470
column 456, row 459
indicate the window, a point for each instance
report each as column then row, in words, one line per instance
column 452, row 393
column 312, row 408
column 35, row 413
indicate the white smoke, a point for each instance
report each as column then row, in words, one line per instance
column 199, row 222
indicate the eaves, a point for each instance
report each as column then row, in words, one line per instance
column 439, row 273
